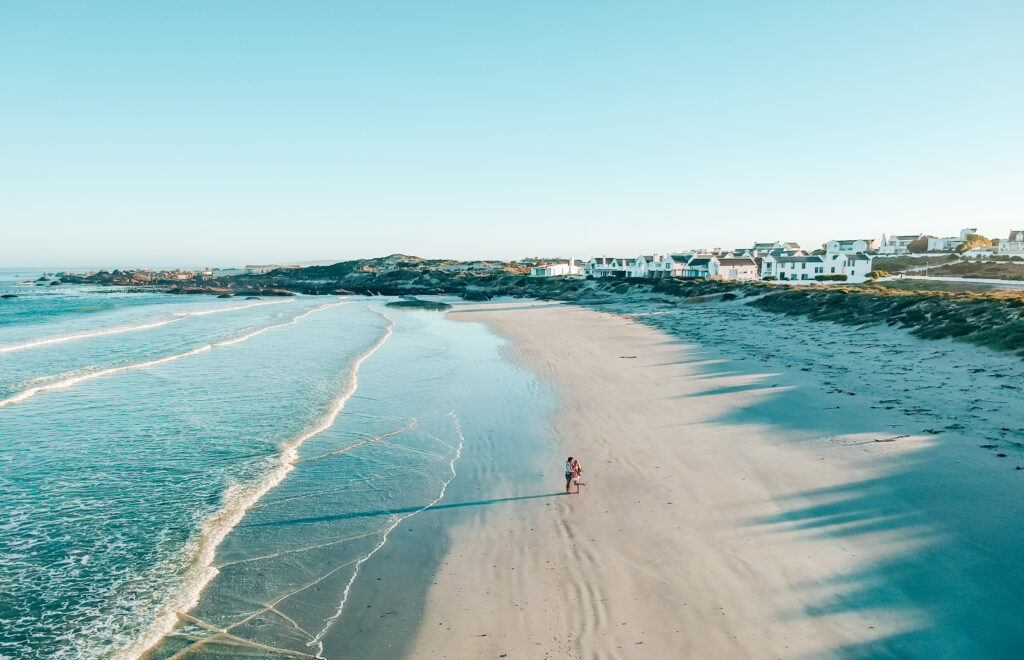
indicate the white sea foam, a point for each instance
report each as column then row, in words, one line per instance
column 93, row 375
column 384, row 539
column 177, row 317
column 237, row 500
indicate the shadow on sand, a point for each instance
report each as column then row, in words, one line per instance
column 944, row 521
column 395, row 512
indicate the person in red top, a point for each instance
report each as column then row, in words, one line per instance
column 573, row 470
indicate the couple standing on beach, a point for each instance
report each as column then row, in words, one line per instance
column 573, row 470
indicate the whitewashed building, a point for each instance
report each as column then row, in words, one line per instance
column 701, row 266
column 852, row 246
column 950, row 243
column 897, row 244
column 807, row 268
column 607, row 266
column 641, row 266
column 740, row 269
column 555, row 269
column 1014, row 244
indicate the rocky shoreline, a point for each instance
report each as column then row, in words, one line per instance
column 993, row 318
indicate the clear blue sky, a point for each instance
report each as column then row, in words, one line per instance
column 137, row 133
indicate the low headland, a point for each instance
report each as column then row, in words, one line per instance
column 931, row 310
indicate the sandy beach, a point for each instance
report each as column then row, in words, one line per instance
column 743, row 501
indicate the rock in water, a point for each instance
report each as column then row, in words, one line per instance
column 416, row 303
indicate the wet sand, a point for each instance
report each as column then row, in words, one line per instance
column 737, row 506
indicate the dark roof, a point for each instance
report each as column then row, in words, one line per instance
column 860, row 256
column 679, row 257
column 908, row 237
column 742, row 261
column 702, row 261
column 797, row 260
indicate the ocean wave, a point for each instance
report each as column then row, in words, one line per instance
column 237, row 500
column 93, row 375
column 178, row 317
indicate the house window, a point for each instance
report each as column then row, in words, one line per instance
column 804, row 276
column 833, row 269
column 803, row 266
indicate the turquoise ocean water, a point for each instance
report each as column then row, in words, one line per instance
column 199, row 477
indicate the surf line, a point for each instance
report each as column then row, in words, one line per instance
column 178, row 316
column 238, row 500
column 76, row 380
column 384, row 539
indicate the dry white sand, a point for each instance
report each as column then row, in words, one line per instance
column 730, row 511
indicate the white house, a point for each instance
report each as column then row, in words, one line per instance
column 793, row 268
column 556, row 269
column 701, row 266
column 641, row 266
column 778, row 247
column 852, row 246
column 736, row 268
column 944, row 244
column 607, row 266
column 950, row 243
column 897, row 244
column 1014, row 245
column 658, row 265
column 855, row 266
column 806, row 268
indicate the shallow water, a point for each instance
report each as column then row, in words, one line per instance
column 136, row 431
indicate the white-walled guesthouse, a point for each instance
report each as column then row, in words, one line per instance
column 555, row 269
column 693, row 266
column 852, row 246
column 895, row 245
column 808, row 268
column 607, row 266
column 1014, row 244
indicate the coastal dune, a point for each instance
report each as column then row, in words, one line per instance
column 706, row 531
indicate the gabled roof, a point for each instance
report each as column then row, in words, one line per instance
column 797, row 260
column 736, row 261
column 860, row 256
column 699, row 261
column 607, row 261
column 680, row 257
column 780, row 252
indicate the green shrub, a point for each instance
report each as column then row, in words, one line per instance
column 836, row 277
